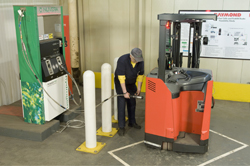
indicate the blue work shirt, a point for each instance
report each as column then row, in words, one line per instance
column 124, row 67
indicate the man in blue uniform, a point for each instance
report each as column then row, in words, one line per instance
column 130, row 68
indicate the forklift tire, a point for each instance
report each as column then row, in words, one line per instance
column 170, row 146
column 164, row 146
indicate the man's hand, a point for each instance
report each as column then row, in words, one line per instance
column 126, row 95
column 138, row 92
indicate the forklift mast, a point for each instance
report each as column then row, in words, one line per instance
column 169, row 55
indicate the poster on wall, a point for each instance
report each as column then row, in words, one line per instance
column 228, row 37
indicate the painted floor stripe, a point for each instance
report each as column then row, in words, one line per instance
column 228, row 137
column 124, row 147
column 119, row 159
column 203, row 164
column 223, row 155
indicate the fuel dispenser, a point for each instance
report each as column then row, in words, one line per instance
column 41, row 53
column 178, row 100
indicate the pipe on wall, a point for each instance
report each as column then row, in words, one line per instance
column 73, row 31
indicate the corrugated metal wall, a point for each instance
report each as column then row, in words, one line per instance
column 9, row 67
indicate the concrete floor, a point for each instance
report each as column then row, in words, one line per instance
column 229, row 137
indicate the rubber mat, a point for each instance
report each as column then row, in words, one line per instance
column 11, row 110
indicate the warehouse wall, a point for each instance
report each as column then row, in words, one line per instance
column 113, row 27
column 110, row 28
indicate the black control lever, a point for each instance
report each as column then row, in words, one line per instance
column 184, row 73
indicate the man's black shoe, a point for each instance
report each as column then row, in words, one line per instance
column 121, row 132
column 135, row 125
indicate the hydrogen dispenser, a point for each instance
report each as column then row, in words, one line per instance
column 41, row 53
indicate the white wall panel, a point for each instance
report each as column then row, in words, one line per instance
column 133, row 24
column 209, row 63
column 45, row 2
column 142, row 25
column 9, row 67
column 8, row 56
column 235, row 5
column 64, row 4
column 99, row 33
column 245, row 74
column 210, row 4
column 147, row 48
column 29, row 2
column 229, row 70
column 119, row 28
column 14, row 2
column 185, row 5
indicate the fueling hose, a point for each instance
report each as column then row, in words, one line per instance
column 81, row 122
column 131, row 96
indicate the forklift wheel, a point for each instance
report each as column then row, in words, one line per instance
column 170, row 146
column 164, row 146
column 167, row 146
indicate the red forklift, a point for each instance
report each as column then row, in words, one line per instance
column 178, row 100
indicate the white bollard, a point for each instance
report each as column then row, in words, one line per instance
column 115, row 99
column 90, row 145
column 89, row 108
column 106, row 93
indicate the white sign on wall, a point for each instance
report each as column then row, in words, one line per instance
column 228, row 37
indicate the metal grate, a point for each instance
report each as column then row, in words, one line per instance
column 151, row 86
